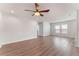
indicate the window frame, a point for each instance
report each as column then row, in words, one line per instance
column 61, row 30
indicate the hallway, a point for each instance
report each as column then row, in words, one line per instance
column 42, row 46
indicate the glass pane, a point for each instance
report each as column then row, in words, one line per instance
column 64, row 26
column 64, row 31
column 57, row 27
column 57, row 31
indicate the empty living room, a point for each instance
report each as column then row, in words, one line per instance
column 39, row 29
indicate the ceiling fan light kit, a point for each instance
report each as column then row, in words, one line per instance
column 38, row 12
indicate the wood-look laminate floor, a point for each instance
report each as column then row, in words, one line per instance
column 41, row 46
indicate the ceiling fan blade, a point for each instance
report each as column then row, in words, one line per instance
column 36, row 6
column 41, row 15
column 33, row 14
column 29, row 10
column 45, row 10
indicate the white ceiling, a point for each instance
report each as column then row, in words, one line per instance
column 58, row 11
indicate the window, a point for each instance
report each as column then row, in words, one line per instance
column 57, row 28
column 64, row 28
column 61, row 28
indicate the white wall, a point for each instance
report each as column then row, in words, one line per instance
column 44, row 28
column 77, row 31
column 13, row 29
column 71, row 28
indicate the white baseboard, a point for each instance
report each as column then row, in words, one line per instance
column 29, row 38
column 63, row 36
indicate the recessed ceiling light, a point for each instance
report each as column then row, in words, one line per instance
column 12, row 11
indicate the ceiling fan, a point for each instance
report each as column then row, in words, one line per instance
column 37, row 11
